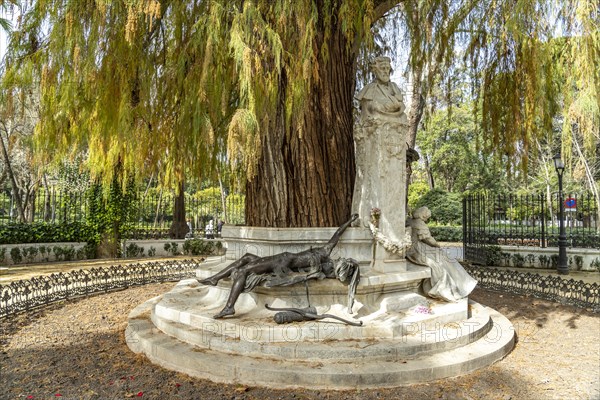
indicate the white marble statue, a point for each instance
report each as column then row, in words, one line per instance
column 380, row 144
column 449, row 280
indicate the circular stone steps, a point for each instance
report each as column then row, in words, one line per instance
column 176, row 331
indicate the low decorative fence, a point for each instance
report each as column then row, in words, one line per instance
column 547, row 287
column 41, row 291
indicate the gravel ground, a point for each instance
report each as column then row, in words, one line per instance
column 77, row 350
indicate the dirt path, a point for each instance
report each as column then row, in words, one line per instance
column 77, row 349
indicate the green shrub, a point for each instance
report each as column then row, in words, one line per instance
column 134, row 251
column 43, row 232
column 530, row 259
column 578, row 262
column 493, row 255
column 58, row 253
column 90, row 251
column 2, row 254
column 80, row 254
column 596, row 264
column 518, row 260
column 446, row 233
column 197, row 247
column 544, row 261
column 15, row 254
column 68, row 253
column 32, row 253
column 43, row 251
column 152, row 251
column 172, row 248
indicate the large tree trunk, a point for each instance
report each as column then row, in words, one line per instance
column 179, row 227
column 306, row 178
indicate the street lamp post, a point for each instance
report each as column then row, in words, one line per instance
column 563, row 266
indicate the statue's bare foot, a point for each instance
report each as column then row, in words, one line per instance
column 209, row 281
column 225, row 312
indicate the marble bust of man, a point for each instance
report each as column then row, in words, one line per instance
column 381, row 99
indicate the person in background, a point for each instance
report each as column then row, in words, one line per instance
column 209, row 230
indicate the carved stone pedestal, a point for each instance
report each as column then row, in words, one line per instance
column 405, row 337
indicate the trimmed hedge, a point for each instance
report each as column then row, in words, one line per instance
column 447, row 233
column 41, row 232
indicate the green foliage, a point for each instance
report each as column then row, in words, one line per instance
column 493, row 255
column 518, row 260
column 112, row 214
column 544, row 261
column 32, row 252
column 134, row 251
column 69, row 253
column 416, row 190
column 172, row 248
column 152, row 251
column 446, row 208
column 578, row 262
column 449, row 144
column 2, row 254
column 197, row 247
column 90, row 251
column 15, row 254
column 80, row 254
column 596, row 264
column 209, row 198
column 43, row 251
column 58, row 253
column 530, row 259
column 64, row 253
column 447, row 233
column 42, row 232
column 235, row 208
column 506, row 257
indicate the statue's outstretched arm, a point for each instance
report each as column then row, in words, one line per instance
column 336, row 236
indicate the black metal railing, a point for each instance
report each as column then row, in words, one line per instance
column 527, row 220
column 151, row 217
column 52, row 205
column 25, row 295
column 548, row 287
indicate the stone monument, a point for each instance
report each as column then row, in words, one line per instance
column 379, row 190
column 397, row 314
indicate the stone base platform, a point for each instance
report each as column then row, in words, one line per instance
column 405, row 338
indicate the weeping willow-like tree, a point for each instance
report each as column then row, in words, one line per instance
column 164, row 86
column 533, row 67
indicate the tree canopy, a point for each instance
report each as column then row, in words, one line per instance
column 170, row 87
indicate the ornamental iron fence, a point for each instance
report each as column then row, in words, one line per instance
column 150, row 216
column 25, row 295
column 527, row 220
column 548, row 287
